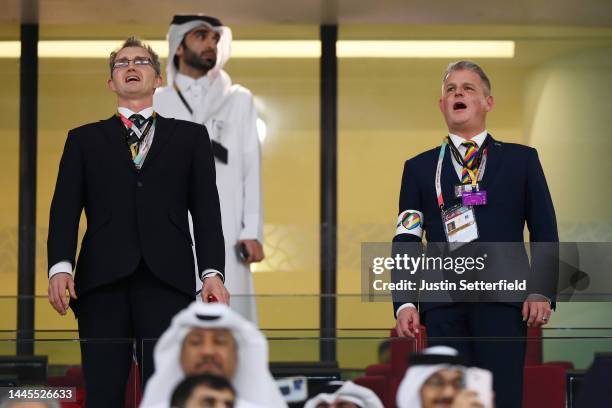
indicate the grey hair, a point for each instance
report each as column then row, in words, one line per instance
column 466, row 65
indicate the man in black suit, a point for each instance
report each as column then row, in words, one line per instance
column 516, row 194
column 136, row 175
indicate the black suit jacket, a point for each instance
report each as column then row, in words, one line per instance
column 136, row 214
column 517, row 194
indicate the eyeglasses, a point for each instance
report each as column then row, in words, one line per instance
column 124, row 62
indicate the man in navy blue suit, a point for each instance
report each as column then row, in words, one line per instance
column 497, row 187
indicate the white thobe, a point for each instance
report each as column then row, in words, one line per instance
column 229, row 114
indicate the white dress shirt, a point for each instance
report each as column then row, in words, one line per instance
column 457, row 140
column 145, row 113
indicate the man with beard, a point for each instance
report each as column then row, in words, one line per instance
column 435, row 379
column 212, row 339
column 200, row 90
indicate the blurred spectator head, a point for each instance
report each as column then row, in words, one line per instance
column 384, row 352
column 210, row 351
column 20, row 403
column 213, row 339
column 434, row 379
column 345, row 395
column 203, row 391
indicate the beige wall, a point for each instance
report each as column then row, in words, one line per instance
column 567, row 113
column 567, row 120
column 9, row 174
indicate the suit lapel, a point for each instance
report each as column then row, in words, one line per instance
column 494, row 160
column 449, row 179
column 163, row 133
column 115, row 133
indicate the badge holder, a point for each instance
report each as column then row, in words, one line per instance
column 461, row 189
column 474, row 198
column 460, row 225
column 459, row 221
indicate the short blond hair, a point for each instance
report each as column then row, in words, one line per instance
column 136, row 42
column 466, row 65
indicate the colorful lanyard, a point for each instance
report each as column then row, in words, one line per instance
column 142, row 136
column 438, row 173
column 474, row 177
column 130, row 125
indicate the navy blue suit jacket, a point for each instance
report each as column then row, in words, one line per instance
column 517, row 193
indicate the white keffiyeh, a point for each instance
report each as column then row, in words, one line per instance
column 409, row 391
column 349, row 391
column 252, row 380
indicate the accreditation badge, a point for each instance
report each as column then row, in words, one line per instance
column 460, row 189
column 475, row 198
column 215, row 133
column 470, row 194
column 459, row 224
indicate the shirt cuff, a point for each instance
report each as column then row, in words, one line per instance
column 207, row 273
column 536, row 297
column 60, row 267
column 404, row 306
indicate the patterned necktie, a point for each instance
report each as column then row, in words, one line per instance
column 469, row 160
column 133, row 140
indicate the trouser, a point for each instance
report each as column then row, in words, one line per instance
column 118, row 322
column 505, row 358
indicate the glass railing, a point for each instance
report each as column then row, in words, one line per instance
column 302, row 311
column 49, row 367
column 291, row 322
column 52, row 360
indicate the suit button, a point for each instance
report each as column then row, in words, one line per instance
column 139, row 184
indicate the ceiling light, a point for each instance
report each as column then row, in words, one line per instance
column 286, row 49
column 425, row 49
